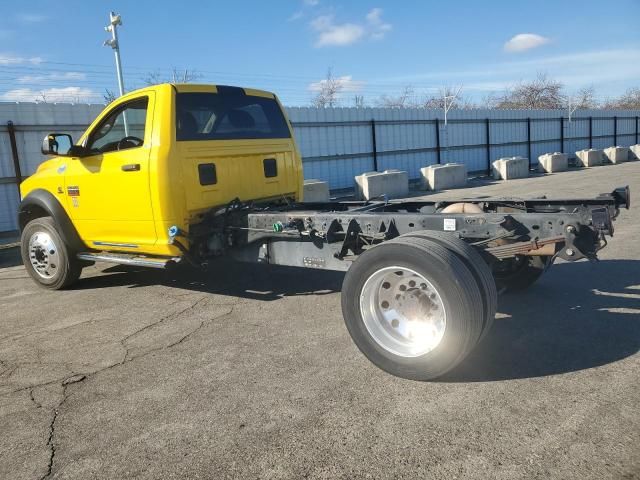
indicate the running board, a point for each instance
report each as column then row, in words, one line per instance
column 124, row 259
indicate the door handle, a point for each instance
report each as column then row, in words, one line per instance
column 131, row 167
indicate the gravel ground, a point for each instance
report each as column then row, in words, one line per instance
column 137, row 374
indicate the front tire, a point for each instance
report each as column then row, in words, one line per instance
column 411, row 307
column 46, row 257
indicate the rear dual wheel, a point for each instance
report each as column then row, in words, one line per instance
column 416, row 306
column 519, row 273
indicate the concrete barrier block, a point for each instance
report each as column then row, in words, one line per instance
column 616, row 154
column 553, row 162
column 591, row 157
column 510, row 168
column 634, row 152
column 392, row 183
column 315, row 191
column 441, row 177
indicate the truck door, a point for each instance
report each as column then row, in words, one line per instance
column 108, row 191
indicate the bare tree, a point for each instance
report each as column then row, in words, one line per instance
column 584, row 98
column 358, row 101
column 437, row 100
column 629, row 100
column 184, row 76
column 490, row 101
column 543, row 92
column 328, row 91
column 153, row 78
column 108, row 96
column 175, row 76
column 406, row 99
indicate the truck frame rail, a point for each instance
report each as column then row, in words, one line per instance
column 332, row 235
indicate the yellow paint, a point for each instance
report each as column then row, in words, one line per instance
column 138, row 207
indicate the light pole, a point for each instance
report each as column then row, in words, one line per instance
column 115, row 21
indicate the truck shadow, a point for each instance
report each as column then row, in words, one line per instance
column 577, row 316
column 251, row 281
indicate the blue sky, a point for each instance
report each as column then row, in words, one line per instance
column 54, row 50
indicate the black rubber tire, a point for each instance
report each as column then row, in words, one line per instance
column 476, row 264
column 457, row 287
column 526, row 274
column 433, row 248
column 69, row 268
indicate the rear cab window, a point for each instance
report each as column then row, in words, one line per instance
column 230, row 114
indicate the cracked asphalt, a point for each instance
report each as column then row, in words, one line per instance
column 248, row 372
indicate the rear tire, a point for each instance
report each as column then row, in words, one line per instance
column 46, row 257
column 521, row 274
column 475, row 263
column 421, row 324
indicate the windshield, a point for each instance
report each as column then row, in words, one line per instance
column 228, row 115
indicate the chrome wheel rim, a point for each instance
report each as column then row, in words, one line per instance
column 44, row 255
column 403, row 311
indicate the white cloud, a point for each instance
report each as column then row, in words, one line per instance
column 346, row 83
column 332, row 34
column 378, row 27
column 525, row 41
column 8, row 59
column 52, row 95
column 68, row 76
column 295, row 16
column 609, row 71
column 335, row 34
column 30, row 18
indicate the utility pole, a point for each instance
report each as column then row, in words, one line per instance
column 114, row 22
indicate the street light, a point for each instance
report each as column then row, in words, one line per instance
column 114, row 22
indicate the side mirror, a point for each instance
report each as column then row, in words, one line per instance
column 61, row 144
column 57, row 144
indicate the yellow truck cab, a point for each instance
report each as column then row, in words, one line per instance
column 175, row 174
column 161, row 157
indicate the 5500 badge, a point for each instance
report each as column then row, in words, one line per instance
column 74, row 192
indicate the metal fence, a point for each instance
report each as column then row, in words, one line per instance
column 338, row 143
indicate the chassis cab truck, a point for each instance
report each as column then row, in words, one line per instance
column 189, row 174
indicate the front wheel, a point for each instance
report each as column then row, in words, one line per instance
column 412, row 307
column 46, row 257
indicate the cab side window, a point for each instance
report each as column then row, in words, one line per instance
column 122, row 129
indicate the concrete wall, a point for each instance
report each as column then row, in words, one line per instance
column 336, row 143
